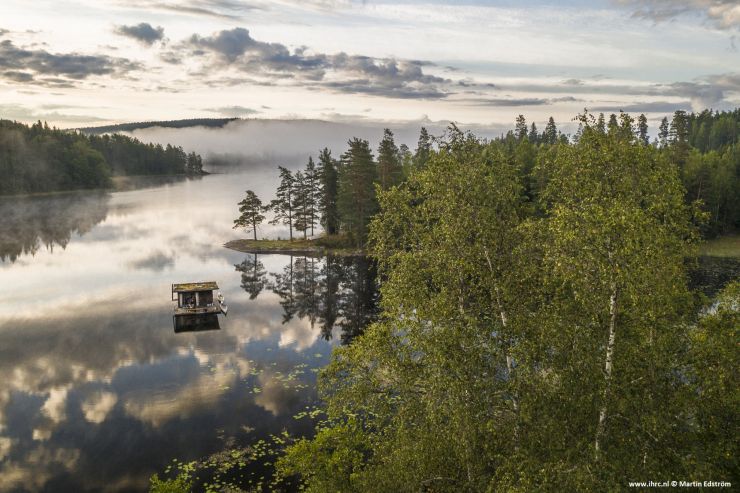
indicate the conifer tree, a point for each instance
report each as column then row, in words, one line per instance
column 663, row 132
column 389, row 166
column 301, row 200
column 356, row 201
column 642, row 130
column 282, row 205
column 551, row 132
column 423, row 148
column 521, row 128
column 251, row 210
column 329, row 189
column 313, row 193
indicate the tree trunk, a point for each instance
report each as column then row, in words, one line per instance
column 607, row 370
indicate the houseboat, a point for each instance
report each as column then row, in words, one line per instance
column 197, row 298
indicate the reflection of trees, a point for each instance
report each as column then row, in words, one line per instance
column 306, row 288
column 333, row 291
column 282, row 286
column 28, row 223
column 254, row 276
column 358, row 300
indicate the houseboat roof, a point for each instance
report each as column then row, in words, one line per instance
column 194, row 286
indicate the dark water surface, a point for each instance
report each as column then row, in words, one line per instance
column 97, row 390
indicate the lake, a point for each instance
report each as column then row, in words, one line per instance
column 97, row 390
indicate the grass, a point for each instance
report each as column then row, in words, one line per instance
column 724, row 246
column 334, row 244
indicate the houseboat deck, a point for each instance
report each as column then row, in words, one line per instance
column 199, row 310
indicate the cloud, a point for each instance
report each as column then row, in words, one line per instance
column 646, row 107
column 97, row 406
column 233, row 111
column 236, row 49
column 506, row 102
column 724, row 14
column 143, row 33
column 214, row 9
column 18, row 112
column 156, row 261
column 57, row 68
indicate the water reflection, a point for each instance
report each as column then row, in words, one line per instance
column 97, row 391
column 28, row 223
column 196, row 323
column 332, row 292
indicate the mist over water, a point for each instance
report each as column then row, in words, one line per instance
column 254, row 143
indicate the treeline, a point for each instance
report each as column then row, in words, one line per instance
column 341, row 194
column 128, row 127
column 38, row 158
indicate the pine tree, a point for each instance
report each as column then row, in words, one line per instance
column 423, row 148
column 612, row 127
column 533, row 135
column 251, row 210
column 679, row 138
column 356, row 201
column 601, row 124
column 329, row 189
column 313, row 193
column 389, row 166
column 663, row 132
column 301, row 200
column 642, row 130
column 521, row 128
column 282, row 205
column 551, row 132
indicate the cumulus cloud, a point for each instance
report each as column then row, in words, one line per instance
column 57, row 69
column 144, row 33
column 724, row 14
column 97, row 406
column 237, row 49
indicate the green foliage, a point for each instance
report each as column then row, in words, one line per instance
column 37, row 158
column 330, row 460
column 390, row 172
column 328, row 191
column 179, row 484
column 714, row 363
column 282, row 205
column 251, row 210
column 521, row 352
column 356, row 201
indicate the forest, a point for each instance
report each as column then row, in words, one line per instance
column 341, row 195
column 536, row 328
column 38, row 158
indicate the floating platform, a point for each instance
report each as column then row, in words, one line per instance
column 196, row 298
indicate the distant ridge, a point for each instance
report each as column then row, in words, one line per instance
column 128, row 127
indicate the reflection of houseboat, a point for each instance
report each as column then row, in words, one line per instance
column 196, row 298
column 196, row 323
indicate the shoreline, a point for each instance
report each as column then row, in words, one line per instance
column 309, row 248
column 118, row 184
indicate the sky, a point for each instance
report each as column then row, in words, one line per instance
column 76, row 63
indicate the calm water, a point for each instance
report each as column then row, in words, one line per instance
column 97, row 391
